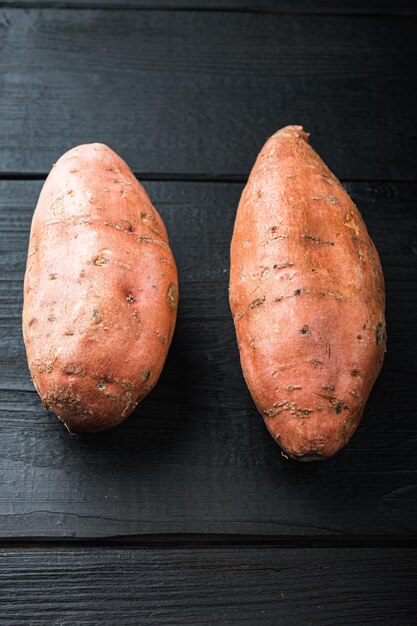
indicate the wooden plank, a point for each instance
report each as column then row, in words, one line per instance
column 238, row 585
column 311, row 7
column 196, row 93
column 195, row 457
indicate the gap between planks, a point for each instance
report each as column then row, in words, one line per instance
column 198, row 178
column 179, row 541
column 103, row 6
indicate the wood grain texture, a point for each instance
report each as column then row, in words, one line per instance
column 310, row 587
column 312, row 7
column 197, row 93
column 195, row 457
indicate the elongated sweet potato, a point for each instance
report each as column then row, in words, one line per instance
column 100, row 295
column 307, row 296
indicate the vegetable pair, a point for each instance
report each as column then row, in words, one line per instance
column 306, row 293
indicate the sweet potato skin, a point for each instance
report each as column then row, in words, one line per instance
column 100, row 291
column 307, row 297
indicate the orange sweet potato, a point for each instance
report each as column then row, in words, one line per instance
column 100, row 294
column 307, row 296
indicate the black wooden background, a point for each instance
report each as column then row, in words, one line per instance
column 187, row 513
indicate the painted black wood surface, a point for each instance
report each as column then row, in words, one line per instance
column 267, row 585
column 189, row 93
column 263, row 585
column 195, row 456
column 187, row 513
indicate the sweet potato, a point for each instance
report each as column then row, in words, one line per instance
column 307, row 296
column 100, row 293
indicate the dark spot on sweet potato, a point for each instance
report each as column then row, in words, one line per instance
column 357, row 374
column 337, row 295
column 316, row 362
column 331, row 199
column 100, row 260
column 279, row 237
column 337, row 404
column 125, row 226
column 113, row 396
column 317, row 240
column 72, row 369
column 281, row 266
column 378, row 333
column 53, row 276
column 146, row 374
column 171, row 296
column 47, row 366
column 257, row 302
column 130, row 298
column 102, row 385
column 305, row 330
column 51, row 318
column 116, row 226
column 161, row 337
column 359, row 337
column 96, row 316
